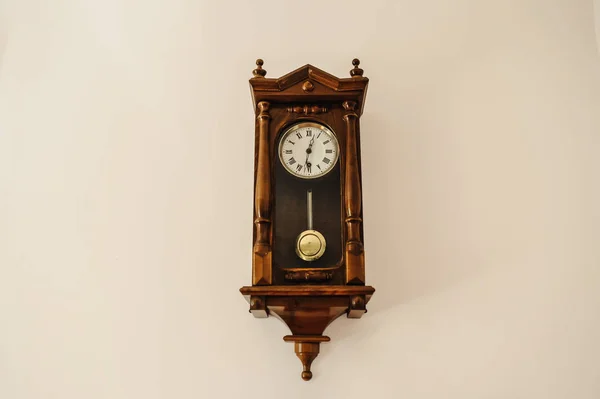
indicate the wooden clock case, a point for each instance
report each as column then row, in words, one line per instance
column 308, row 299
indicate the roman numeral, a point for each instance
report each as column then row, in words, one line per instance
column 298, row 168
column 299, row 135
column 325, row 142
column 292, row 161
column 308, row 133
column 328, row 151
column 326, row 160
column 291, row 142
column 288, row 151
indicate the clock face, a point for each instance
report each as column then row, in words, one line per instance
column 308, row 150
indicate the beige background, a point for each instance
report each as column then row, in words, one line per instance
column 126, row 192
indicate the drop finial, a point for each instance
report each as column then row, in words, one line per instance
column 259, row 72
column 356, row 72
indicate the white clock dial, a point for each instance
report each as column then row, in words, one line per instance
column 308, row 150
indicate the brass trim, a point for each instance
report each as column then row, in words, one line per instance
column 308, row 248
column 300, row 125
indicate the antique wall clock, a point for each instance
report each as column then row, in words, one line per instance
column 308, row 265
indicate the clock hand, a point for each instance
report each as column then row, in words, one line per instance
column 307, row 164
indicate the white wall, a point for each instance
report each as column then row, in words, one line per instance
column 126, row 198
column 597, row 21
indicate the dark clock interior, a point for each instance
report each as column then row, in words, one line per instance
column 291, row 217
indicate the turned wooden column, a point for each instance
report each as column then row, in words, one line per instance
column 261, row 260
column 354, row 251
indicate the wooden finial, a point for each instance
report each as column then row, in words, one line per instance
column 259, row 72
column 307, row 349
column 356, row 72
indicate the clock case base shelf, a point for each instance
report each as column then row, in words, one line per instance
column 307, row 311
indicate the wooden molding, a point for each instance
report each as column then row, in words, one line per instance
column 309, row 290
column 309, row 83
column 307, row 109
column 308, row 275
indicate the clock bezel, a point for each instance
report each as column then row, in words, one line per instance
column 305, row 123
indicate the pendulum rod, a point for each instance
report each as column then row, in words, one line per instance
column 309, row 209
